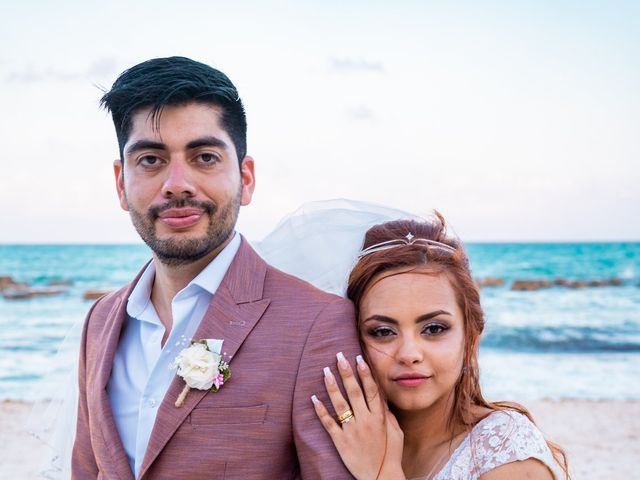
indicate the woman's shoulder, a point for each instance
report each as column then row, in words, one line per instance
column 502, row 437
column 506, row 436
column 507, row 430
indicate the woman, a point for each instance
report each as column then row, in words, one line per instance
column 420, row 321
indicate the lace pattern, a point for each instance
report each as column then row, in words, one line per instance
column 503, row 437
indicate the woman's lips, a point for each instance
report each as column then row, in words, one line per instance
column 181, row 217
column 410, row 380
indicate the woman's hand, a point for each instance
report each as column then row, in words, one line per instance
column 369, row 443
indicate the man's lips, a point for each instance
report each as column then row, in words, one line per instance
column 410, row 379
column 181, row 217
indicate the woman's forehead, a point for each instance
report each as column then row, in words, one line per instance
column 417, row 287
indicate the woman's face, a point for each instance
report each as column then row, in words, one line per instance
column 413, row 333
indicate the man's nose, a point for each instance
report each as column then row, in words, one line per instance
column 409, row 351
column 178, row 182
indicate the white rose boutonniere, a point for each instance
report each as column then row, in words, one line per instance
column 201, row 368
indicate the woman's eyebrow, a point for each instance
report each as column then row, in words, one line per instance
column 380, row 318
column 421, row 318
column 429, row 316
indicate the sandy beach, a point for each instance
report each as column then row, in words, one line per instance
column 600, row 437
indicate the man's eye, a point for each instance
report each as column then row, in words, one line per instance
column 148, row 160
column 207, row 158
column 434, row 329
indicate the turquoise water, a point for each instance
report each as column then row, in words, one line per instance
column 555, row 342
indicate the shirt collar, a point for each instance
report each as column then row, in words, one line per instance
column 211, row 276
column 209, row 279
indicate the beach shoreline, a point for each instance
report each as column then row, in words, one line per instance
column 600, row 437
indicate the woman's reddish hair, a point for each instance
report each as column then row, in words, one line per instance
column 455, row 265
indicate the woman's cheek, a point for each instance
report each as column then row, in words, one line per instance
column 380, row 359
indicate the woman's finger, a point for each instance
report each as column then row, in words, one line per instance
column 370, row 387
column 351, row 386
column 340, row 405
column 328, row 422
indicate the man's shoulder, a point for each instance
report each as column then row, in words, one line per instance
column 283, row 286
column 102, row 309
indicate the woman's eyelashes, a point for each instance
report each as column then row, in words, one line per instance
column 431, row 329
column 381, row 331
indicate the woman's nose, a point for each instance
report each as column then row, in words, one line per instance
column 409, row 351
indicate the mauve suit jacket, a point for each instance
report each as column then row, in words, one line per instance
column 280, row 333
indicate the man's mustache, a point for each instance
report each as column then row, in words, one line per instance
column 207, row 207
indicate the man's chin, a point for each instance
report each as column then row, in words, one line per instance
column 185, row 248
column 181, row 253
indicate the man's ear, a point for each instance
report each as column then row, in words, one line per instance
column 118, row 170
column 248, row 179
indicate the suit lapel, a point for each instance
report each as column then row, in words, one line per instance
column 118, row 459
column 234, row 310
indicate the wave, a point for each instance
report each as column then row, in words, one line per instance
column 563, row 339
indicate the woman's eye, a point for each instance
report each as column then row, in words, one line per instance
column 434, row 329
column 381, row 332
column 207, row 158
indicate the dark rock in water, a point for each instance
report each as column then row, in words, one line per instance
column 530, row 285
column 95, row 294
column 9, row 282
column 60, row 283
column 608, row 282
column 490, row 282
column 22, row 293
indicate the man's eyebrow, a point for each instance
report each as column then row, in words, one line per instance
column 209, row 141
column 145, row 144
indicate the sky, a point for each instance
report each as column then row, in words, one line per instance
column 518, row 120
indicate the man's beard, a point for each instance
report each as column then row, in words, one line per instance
column 176, row 251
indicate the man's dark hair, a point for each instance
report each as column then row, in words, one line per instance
column 161, row 82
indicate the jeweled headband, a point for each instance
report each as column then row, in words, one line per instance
column 410, row 239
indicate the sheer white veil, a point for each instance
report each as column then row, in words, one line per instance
column 319, row 242
column 53, row 421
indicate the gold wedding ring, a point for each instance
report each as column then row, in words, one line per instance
column 345, row 417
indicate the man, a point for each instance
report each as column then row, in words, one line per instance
column 182, row 175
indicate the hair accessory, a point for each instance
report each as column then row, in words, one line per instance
column 408, row 239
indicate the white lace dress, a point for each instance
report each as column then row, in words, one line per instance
column 503, row 437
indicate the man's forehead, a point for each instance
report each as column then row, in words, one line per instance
column 182, row 120
column 150, row 116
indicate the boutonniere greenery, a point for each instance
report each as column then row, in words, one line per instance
column 201, row 368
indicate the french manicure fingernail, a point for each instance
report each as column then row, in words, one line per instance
column 360, row 362
column 342, row 362
column 328, row 375
column 314, row 399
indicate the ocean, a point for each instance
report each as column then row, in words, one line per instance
column 555, row 342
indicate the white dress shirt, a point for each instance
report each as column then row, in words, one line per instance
column 141, row 371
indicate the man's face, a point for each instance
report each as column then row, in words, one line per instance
column 181, row 183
